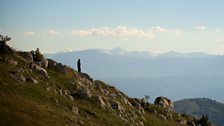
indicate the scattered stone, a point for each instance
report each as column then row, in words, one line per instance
column 71, row 98
column 18, row 76
column 100, row 101
column 66, row 92
column 56, row 100
column 155, row 111
column 105, row 92
column 75, row 110
column 98, row 85
column 83, row 92
column 141, row 123
column 44, row 62
column 127, row 102
column 31, row 79
column 12, row 62
column 60, row 92
column 162, row 116
column 191, row 123
column 182, row 122
column 48, row 89
column 115, row 105
column 86, row 76
column 164, row 102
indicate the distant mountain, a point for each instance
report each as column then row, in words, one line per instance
column 199, row 106
column 121, row 63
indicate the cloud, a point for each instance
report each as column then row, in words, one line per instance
column 123, row 32
column 51, row 32
column 201, row 27
column 69, row 50
column 119, row 31
column 159, row 29
column 28, row 33
column 219, row 30
column 220, row 39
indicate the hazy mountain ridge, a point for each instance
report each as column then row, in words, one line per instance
column 199, row 106
column 142, row 64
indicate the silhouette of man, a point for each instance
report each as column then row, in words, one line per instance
column 79, row 65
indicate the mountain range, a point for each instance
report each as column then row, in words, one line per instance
column 122, row 63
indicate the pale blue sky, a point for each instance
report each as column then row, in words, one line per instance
column 153, row 25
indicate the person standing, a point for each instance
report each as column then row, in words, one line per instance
column 79, row 65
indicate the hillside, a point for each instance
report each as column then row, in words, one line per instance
column 42, row 92
column 199, row 106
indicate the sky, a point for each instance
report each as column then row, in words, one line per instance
column 136, row 25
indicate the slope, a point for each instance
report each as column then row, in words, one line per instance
column 199, row 106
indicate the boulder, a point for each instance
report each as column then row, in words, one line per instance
column 182, row 122
column 12, row 62
column 162, row 116
column 44, row 62
column 75, row 110
column 98, row 85
column 31, row 79
column 164, row 102
column 26, row 55
column 115, row 105
column 18, row 76
column 39, row 70
column 57, row 67
column 100, row 101
column 86, row 76
column 83, row 92
column 71, row 98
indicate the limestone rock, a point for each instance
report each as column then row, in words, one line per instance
column 115, row 105
column 162, row 116
column 97, row 85
column 182, row 122
column 31, row 79
column 100, row 101
column 12, row 62
column 75, row 110
column 71, row 98
column 18, row 76
column 39, row 70
column 26, row 55
column 57, row 67
column 83, row 92
column 86, row 76
column 164, row 102
column 44, row 62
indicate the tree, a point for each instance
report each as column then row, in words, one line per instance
column 4, row 48
column 3, row 39
column 204, row 121
column 37, row 56
column 147, row 97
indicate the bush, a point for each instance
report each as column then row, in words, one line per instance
column 37, row 56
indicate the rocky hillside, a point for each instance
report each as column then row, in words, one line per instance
column 200, row 106
column 42, row 92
